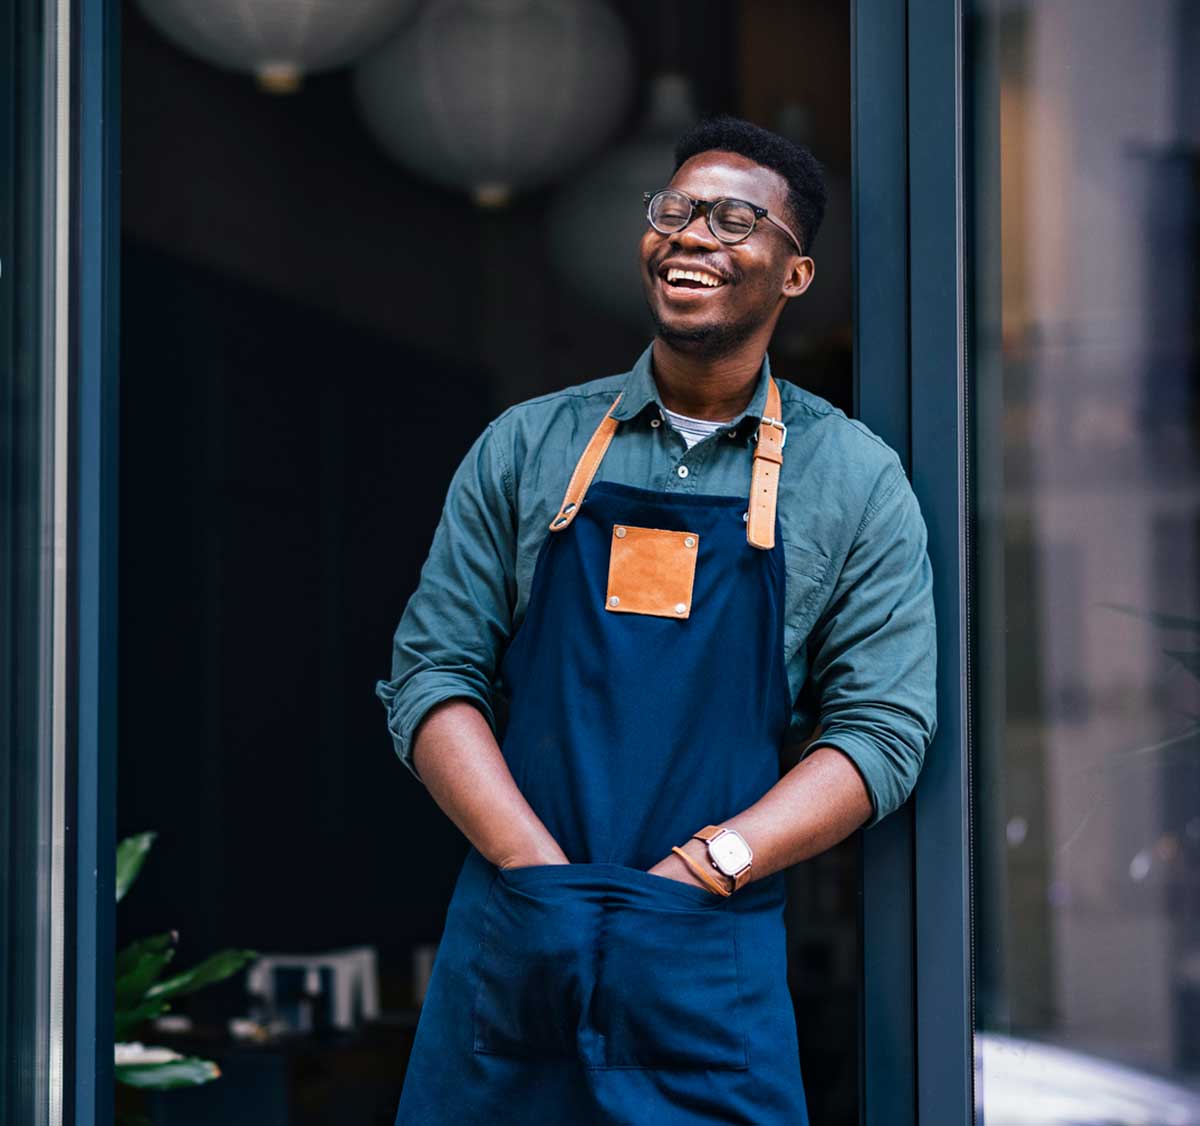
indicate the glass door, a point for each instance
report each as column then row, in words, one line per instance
column 1085, row 349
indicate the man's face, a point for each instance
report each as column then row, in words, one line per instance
column 757, row 275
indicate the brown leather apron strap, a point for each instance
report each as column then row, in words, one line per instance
column 585, row 469
column 764, row 477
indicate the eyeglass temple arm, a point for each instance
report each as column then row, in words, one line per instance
column 785, row 229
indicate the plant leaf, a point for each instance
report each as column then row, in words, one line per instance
column 214, row 968
column 131, row 987
column 187, row 1072
column 132, row 954
column 125, row 1022
column 131, row 855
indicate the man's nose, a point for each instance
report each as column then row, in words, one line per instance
column 696, row 233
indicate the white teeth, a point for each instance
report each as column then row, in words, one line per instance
column 711, row 280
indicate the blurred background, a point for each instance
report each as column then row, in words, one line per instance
column 1085, row 284
column 347, row 245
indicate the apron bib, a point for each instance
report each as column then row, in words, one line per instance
column 648, row 698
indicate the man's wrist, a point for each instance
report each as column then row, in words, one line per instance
column 529, row 857
column 726, row 853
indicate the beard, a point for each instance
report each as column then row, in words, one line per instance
column 710, row 341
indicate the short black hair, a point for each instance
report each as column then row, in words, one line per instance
column 793, row 161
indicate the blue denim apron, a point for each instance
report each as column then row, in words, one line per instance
column 595, row 992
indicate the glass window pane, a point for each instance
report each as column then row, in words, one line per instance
column 1086, row 467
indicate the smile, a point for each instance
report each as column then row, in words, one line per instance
column 692, row 279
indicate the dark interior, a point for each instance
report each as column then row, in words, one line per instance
column 311, row 337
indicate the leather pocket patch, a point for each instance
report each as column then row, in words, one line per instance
column 651, row 571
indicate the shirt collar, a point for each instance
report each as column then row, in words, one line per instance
column 640, row 390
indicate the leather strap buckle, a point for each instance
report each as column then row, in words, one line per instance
column 767, row 420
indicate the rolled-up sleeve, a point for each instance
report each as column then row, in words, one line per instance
column 457, row 623
column 873, row 650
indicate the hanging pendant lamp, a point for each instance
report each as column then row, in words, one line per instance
column 495, row 96
column 607, row 270
column 278, row 41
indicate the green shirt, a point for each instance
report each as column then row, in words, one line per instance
column 859, row 629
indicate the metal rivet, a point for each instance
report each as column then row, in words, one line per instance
column 745, row 517
column 614, row 601
column 690, row 541
column 619, row 533
column 682, row 471
column 680, row 607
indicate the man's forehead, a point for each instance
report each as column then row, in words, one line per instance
column 710, row 175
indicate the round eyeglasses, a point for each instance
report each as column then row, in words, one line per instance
column 730, row 220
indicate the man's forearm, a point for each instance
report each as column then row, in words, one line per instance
column 816, row 804
column 462, row 766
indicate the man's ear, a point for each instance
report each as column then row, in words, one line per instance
column 801, row 271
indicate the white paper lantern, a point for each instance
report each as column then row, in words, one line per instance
column 608, row 198
column 495, row 96
column 278, row 41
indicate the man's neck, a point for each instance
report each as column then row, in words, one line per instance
column 708, row 388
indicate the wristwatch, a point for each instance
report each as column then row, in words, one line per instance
column 728, row 852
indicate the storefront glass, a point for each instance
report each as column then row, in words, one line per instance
column 1085, row 405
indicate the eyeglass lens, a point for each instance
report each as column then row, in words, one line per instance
column 729, row 220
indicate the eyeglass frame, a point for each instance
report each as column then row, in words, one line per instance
column 706, row 206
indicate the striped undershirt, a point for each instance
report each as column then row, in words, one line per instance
column 693, row 429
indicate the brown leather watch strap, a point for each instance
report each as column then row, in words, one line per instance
column 764, row 477
column 706, row 835
column 585, row 469
column 707, row 878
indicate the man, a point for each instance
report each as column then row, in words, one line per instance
column 733, row 564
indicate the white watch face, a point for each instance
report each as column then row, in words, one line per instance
column 729, row 852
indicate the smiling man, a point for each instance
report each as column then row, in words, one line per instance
column 705, row 597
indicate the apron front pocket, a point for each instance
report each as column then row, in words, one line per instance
column 534, row 973
column 651, row 571
column 669, row 988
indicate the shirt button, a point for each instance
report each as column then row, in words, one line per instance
column 682, row 471
column 656, row 422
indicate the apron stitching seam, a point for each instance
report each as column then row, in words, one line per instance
column 477, row 959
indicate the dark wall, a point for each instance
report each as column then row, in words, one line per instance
column 281, row 476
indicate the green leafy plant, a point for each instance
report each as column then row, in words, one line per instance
column 143, row 993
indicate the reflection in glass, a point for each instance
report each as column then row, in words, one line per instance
column 1086, row 420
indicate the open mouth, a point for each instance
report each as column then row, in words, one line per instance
column 677, row 279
